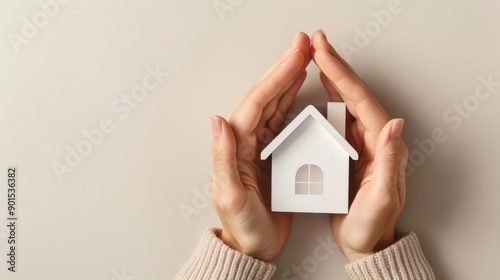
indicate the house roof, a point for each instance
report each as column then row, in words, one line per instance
column 309, row 111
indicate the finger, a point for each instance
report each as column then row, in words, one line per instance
column 271, row 107
column 332, row 92
column 319, row 40
column 403, row 160
column 226, row 177
column 276, row 122
column 301, row 42
column 387, row 159
column 359, row 100
column 249, row 113
column 334, row 95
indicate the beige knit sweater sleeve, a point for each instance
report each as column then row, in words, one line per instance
column 213, row 259
column 402, row 260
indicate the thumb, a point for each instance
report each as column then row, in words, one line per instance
column 387, row 157
column 225, row 162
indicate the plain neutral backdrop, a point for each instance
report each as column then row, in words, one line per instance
column 134, row 204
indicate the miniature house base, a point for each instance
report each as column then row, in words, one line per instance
column 310, row 163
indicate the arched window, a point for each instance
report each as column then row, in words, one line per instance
column 309, row 180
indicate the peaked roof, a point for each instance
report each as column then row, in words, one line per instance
column 312, row 112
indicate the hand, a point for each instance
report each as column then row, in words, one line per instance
column 378, row 177
column 241, row 181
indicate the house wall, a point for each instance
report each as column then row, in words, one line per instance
column 310, row 144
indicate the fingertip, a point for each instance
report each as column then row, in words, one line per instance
column 319, row 39
column 397, row 128
column 216, row 126
column 318, row 35
column 301, row 35
column 297, row 36
column 387, row 156
column 329, row 64
column 323, row 33
column 301, row 41
column 390, row 133
column 223, row 147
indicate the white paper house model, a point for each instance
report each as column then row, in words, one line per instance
column 310, row 163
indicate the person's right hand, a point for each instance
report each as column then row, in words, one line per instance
column 378, row 177
column 241, row 181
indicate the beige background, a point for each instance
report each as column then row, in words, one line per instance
column 117, row 214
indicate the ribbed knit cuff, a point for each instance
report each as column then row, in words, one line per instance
column 402, row 260
column 213, row 259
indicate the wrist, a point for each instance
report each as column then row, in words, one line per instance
column 384, row 242
column 245, row 248
column 353, row 257
column 229, row 240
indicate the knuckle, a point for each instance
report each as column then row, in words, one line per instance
column 217, row 154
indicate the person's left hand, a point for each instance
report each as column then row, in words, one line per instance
column 241, row 181
column 378, row 177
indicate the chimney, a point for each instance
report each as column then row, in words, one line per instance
column 336, row 115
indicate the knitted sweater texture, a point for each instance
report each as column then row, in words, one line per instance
column 213, row 259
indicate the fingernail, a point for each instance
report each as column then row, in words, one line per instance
column 397, row 128
column 297, row 36
column 323, row 32
column 216, row 126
